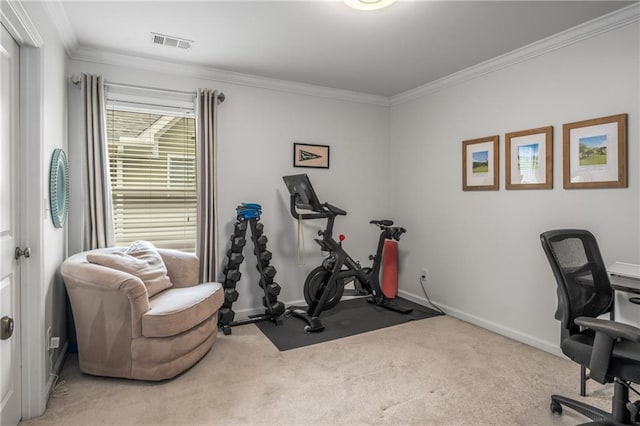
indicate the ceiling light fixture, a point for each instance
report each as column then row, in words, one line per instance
column 368, row 4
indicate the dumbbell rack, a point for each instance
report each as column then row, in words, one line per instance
column 248, row 216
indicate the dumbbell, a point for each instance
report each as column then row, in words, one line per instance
column 264, row 257
column 226, row 315
column 269, row 272
column 269, row 300
column 267, row 276
column 258, row 229
column 265, row 281
column 235, row 259
column 276, row 309
column 260, row 244
column 230, row 295
column 229, row 270
column 273, row 289
column 232, row 276
column 239, row 229
column 229, row 284
column 237, row 243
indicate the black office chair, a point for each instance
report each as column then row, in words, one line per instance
column 609, row 349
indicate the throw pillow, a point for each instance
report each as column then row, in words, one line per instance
column 141, row 260
column 158, row 278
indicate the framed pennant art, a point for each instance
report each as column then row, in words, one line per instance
column 310, row 155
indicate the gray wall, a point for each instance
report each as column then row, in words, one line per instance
column 482, row 249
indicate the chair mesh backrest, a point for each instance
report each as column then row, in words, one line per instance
column 583, row 284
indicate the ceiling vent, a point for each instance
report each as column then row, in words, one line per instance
column 165, row 40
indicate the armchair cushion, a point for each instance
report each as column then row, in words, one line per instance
column 141, row 260
column 179, row 309
column 182, row 268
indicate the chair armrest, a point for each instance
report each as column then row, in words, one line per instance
column 90, row 285
column 101, row 278
column 615, row 330
column 607, row 332
column 183, row 268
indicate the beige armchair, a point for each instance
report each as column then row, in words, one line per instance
column 123, row 332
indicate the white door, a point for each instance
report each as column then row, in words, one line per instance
column 10, row 374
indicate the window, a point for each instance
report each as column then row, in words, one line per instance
column 152, row 159
column 181, row 171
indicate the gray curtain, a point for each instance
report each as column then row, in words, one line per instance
column 206, row 147
column 98, row 215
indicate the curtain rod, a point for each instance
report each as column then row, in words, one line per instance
column 76, row 80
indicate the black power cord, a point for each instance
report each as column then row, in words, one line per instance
column 422, row 284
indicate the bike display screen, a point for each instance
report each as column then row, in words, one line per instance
column 300, row 186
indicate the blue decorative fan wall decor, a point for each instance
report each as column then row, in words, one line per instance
column 59, row 188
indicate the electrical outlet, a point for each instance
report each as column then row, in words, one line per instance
column 423, row 274
column 54, row 342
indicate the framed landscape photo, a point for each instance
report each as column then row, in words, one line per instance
column 480, row 162
column 310, row 155
column 595, row 153
column 529, row 159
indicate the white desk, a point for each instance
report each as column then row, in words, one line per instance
column 625, row 280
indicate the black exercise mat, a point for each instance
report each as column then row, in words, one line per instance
column 348, row 318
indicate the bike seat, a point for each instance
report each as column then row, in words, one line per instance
column 384, row 222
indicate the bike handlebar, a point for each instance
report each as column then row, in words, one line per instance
column 328, row 210
column 335, row 210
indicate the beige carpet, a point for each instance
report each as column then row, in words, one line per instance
column 439, row 371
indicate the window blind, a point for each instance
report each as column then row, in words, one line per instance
column 152, row 160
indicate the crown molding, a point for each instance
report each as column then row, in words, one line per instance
column 207, row 73
column 58, row 16
column 19, row 25
column 601, row 25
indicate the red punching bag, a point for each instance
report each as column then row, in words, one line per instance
column 390, row 269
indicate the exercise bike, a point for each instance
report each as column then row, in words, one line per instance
column 325, row 285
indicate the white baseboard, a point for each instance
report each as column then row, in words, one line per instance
column 549, row 347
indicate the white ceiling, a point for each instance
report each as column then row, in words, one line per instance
column 325, row 43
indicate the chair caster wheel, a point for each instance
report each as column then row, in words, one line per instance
column 287, row 313
column 555, row 407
